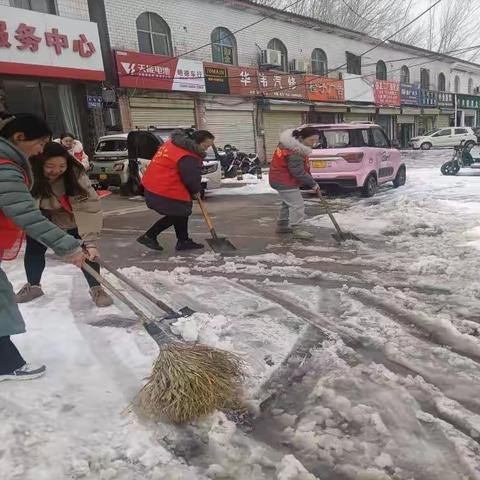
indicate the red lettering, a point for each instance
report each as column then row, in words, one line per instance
column 4, row 43
column 83, row 47
column 56, row 40
column 26, row 36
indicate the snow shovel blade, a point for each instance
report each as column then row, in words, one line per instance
column 221, row 245
column 182, row 313
column 344, row 236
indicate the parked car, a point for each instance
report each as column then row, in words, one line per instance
column 444, row 137
column 110, row 161
column 356, row 156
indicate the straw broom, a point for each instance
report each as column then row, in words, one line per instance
column 188, row 380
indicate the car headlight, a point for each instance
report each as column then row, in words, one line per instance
column 209, row 169
column 119, row 167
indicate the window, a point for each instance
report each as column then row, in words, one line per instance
column 405, row 75
column 457, row 84
column 153, row 34
column 461, row 131
column 381, row 70
column 380, row 140
column 343, row 138
column 425, row 78
column 442, row 133
column 276, row 44
column 319, row 62
column 354, row 64
column 44, row 6
column 470, row 86
column 224, row 46
column 442, row 87
column 114, row 145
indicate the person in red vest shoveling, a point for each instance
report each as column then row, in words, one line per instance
column 172, row 178
column 290, row 170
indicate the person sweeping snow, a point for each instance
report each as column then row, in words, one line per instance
column 290, row 170
column 65, row 196
column 22, row 136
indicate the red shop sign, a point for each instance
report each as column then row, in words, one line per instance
column 387, row 93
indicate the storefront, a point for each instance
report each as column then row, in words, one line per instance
column 360, row 114
column 49, row 66
column 360, row 99
column 447, row 110
column 148, row 78
column 467, row 108
column 406, row 121
column 387, row 99
column 328, row 99
column 427, row 121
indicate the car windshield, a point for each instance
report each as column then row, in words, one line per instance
column 163, row 135
column 343, row 138
column 113, row 145
column 431, row 132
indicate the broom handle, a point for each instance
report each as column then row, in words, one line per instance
column 330, row 214
column 158, row 334
column 168, row 310
column 206, row 216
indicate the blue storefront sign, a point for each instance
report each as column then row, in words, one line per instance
column 428, row 98
column 409, row 94
column 94, row 101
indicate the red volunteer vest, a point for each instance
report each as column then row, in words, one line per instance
column 162, row 176
column 11, row 236
column 279, row 172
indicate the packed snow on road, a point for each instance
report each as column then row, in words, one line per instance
column 362, row 360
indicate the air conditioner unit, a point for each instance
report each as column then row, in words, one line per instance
column 271, row 58
column 299, row 66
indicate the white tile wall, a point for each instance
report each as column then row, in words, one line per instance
column 67, row 8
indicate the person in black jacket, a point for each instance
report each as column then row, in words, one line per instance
column 172, row 178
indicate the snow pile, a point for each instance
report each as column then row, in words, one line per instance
column 250, row 185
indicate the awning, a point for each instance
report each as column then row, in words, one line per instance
column 331, row 108
column 411, row 111
column 405, row 119
column 389, row 111
column 362, row 109
column 431, row 111
column 286, row 106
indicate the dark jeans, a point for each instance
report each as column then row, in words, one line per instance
column 34, row 261
column 179, row 223
column 10, row 358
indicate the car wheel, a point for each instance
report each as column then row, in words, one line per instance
column 426, row 146
column 369, row 189
column 401, row 177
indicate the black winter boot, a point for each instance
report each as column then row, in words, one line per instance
column 149, row 242
column 188, row 245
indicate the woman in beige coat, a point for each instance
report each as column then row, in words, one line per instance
column 65, row 196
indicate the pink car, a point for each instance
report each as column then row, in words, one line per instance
column 356, row 156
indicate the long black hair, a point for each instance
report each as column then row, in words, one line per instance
column 305, row 132
column 30, row 125
column 41, row 185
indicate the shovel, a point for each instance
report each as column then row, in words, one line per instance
column 340, row 236
column 171, row 313
column 217, row 244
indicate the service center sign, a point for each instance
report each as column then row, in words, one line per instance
column 143, row 70
column 387, row 93
column 39, row 44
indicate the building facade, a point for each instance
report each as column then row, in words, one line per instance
column 193, row 62
column 51, row 65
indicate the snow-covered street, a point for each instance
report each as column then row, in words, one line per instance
column 363, row 359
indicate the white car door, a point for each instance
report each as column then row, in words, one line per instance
column 442, row 138
column 461, row 134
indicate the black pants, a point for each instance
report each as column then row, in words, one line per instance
column 10, row 358
column 34, row 261
column 179, row 223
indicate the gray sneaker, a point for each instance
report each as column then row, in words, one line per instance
column 28, row 293
column 27, row 372
column 300, row 234
column 100, row 297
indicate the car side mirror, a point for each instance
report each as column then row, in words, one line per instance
column 395, row 143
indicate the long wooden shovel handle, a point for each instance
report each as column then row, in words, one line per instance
column 330, row 214
column 159, row 335
column 206, row 215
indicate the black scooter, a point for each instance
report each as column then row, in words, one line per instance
column 462, row 158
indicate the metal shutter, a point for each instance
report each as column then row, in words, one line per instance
column 275, row 123
column 443, row 121
column 356, row 117
column 235, row 128
column 146, row 112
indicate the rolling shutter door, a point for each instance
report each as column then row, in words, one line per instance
column 235, row 128
column 146, row 112
column 443, row 121
column 275, row 123
column 356, row 117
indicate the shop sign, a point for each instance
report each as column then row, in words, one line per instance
column 158, row 72
column 94, row 101
column 37, row 44
column 387, row 93
column 323, row 89
column 243, row 81
column 409, row 94
column 468, row 102
column 281, row 85
column 216, row 78
column 428, row 98
column 445, row 100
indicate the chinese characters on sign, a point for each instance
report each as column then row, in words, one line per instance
column 468, row 102
column 445, row 100
column 243, row 81
column 322, row 89
column 281, row 85
column 216, row 79
column 409, row 94
column 428, row 98
column 387, row 93
column 94, row 101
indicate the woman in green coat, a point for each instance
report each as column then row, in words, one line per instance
column 22, row 136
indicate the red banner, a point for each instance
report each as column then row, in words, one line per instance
column 323, row 89
column 281, row 85
column 243, row 81
column 387, row 93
